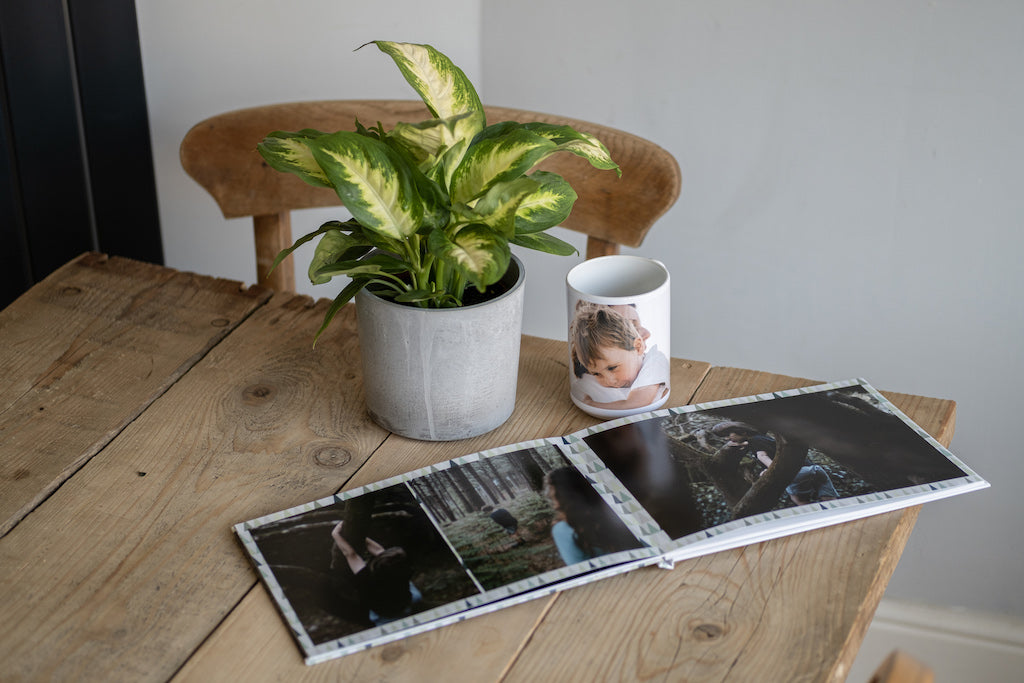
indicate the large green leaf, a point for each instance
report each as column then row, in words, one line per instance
column 436, row 145
column 290, row 153
column 370, row 266
column 499, row 206
column 477, row 252
column 334, row 246
column 344, row 296
column 496, row 159
column 542, row 241
column 568, row 139
column 547, row 206
column 444, row 88
column 373, row 181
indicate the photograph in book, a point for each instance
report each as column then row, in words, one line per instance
column 837, row 448
column 352, row 565
column 492, row 529
column 354, row 569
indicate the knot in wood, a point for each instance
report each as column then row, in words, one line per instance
column 257, row 393
column 331, row 456
column 708, row 631
column 71, row 290
column 220, row 322
column 392, row 652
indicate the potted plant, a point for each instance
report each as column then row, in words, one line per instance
column 435, row 206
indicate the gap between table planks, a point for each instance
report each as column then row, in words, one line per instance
column 696, row 640
column 242, row 459
column 86, row 351
column 128, row 565
column 737, row 614
column 482, row 647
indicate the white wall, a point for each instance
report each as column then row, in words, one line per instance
column 852, row 206
column 851, row 199
column 204, row 57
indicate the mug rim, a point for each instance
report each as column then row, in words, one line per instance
column 589, row 264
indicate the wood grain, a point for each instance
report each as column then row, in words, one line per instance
column 736, row 614
column 483, row 646
column 89, row 349
column 160, row 434
column 127, row 568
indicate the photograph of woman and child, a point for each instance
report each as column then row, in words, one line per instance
column 617, row 365
column 437, row 539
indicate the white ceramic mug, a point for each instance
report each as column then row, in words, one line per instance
column 619, row 324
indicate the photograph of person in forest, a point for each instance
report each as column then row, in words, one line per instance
column 811, row 483
column 509, row 516
column 696, row 470
column 383, row 579
column 362, row 562
column 584, row 526
column 616, row 364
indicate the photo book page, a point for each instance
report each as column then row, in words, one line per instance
column 491, row 529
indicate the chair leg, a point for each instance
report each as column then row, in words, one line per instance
column 274, row 233
column 899, row 667
column 599, row 247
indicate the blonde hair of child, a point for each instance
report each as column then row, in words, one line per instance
column 595, row 327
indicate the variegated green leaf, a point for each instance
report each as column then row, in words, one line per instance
column 344, row 296
column 290, row 153
column 329, row 225
column 477, row 252
column 333, row 246
column 374, row 266
column 499, row 206
column 416, row 296
column 546, row 207
column 497, row 159
column 443, row 86
column 436, row 145
column 585, row 145
column 542, row 241
column 373, row 181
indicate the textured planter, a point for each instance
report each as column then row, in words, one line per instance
column 442, row 374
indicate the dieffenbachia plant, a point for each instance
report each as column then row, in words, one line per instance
column 436, row 204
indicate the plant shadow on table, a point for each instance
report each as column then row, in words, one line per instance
column 321, row 587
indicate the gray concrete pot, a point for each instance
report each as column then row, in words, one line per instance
column 443, row 373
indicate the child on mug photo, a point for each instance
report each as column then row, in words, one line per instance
column 613, row 366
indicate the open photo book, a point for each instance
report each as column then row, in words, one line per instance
column 481, row 532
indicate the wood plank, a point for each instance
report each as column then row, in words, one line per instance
column 736, row 614
column 723, row 617
column 86, row 351
column 131, row 564
column 483, row 646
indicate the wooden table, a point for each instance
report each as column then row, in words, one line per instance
column 144, row 411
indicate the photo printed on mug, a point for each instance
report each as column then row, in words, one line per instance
column 619, row 322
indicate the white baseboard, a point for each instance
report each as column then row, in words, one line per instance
column 959, row 645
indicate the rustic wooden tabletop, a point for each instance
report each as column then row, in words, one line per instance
column 144, row 411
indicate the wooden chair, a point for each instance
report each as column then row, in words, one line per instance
column 900, row 667
column 220, row 154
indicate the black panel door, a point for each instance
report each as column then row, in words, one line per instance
column 76, row 167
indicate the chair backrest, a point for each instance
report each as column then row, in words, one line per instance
column 220, row 154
